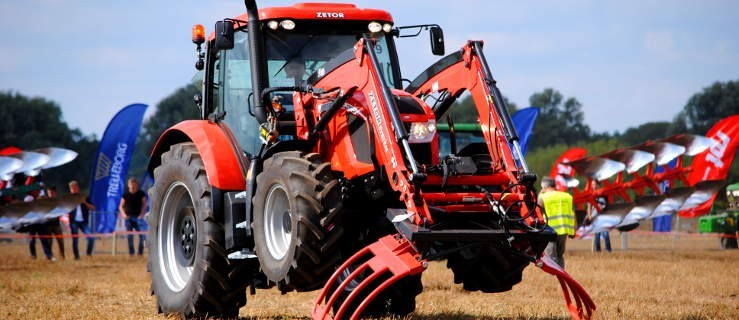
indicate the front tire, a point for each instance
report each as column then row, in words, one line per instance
column 486, row 269
column 190, row 271
column 297, row 221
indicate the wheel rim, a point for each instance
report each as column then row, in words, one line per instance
column 177, row 237
column 277, row 222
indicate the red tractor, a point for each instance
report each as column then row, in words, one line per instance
column 312, row 167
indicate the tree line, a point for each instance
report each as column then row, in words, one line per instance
column 32, row 122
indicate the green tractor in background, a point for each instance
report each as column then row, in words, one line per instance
column 724, row 223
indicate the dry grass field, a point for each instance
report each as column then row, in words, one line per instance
column 659, row 277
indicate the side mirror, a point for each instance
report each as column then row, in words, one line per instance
column 437, row 40
column 224, row 35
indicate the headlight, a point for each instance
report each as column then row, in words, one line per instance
column 422, row 132
column 287, row 24
column 374, row 27
column 273, row 24
column 387, row 27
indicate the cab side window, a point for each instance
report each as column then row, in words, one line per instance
column 232, row 93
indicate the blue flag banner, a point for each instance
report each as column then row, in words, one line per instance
column 524, row 120
column 111, row 165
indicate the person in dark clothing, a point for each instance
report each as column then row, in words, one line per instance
column 132, row 208
column 39, row 231
column 79, row 220
column 54, row 226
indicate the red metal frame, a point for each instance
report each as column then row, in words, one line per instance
column 392, row 255
column 362, row 73
column 216, row 149
column 467, row 74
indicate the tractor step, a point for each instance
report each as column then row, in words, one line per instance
column 418, row 233
column 243, row 254
column 365, row 275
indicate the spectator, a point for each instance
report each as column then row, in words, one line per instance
column 79, row 219
column 54, row 225
column 38, row 230
column 560, row 216
column 132, row 208
column 592, row 213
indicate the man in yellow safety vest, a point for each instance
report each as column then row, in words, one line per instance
column 560, row 216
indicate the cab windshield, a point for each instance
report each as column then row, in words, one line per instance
column 292, row 56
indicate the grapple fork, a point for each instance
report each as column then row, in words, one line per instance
column 583, row 305
column 370, row 271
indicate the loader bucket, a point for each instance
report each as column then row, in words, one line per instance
column 577, row 300
column 8, row 166
column 632, row 158
column 365, row 275
column 643, row 208
column 664, row 152
column 693, row 144
column 57, row 156
column 569, row 182
column 704, row 191
column 596, row 167
column 16, row 210
column 32, row 161
column 610, row 217
column 674, row 199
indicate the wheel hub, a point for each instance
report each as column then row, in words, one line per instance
column 177, row 236
column 187, row 237
column 278, row 222
column 286, row 223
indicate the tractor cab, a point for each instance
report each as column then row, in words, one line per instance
column 291, row 44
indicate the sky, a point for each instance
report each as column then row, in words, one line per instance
column 627, row 62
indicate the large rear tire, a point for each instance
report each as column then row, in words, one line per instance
column 297, row 221
column 190, row 271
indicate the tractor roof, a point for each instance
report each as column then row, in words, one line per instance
column 322, row 11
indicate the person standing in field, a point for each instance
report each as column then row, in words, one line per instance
column 132, row 208
column 54, row 225
column 560, row 216
column 592, row 213
column 79, row 219
column 37, row 231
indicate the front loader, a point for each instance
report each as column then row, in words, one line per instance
column 313, row 168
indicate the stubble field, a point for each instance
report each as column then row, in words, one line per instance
column 659, row 277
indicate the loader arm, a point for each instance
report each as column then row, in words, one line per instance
column 467, row 69
column 360, row 73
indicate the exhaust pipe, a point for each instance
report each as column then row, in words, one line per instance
column 259, row 69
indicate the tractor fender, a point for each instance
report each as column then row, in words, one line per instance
column 222, row 164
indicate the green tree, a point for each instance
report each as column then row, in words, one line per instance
column 706, row 108
column 645, row 132
column 558, row 122
column 176, row 107
column 463, row 110
column 33, row 123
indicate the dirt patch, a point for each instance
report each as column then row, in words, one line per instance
column 684, row 278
